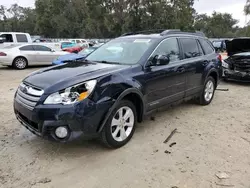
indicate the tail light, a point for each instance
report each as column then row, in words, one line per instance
column 3, row 54
column 220, row 57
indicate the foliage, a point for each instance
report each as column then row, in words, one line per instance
column 217, row 25
column 111, row 18
column 17, row 18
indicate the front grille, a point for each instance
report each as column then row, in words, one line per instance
column 28, row 96
column 242, row 65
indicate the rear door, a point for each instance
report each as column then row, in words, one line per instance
column 194, row 61
column 29, row 52
column 44, row 55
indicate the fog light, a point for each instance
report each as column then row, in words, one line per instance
column 61, row 132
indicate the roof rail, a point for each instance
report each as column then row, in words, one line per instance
column 152, row 31
column 165, row 32
column 177, row 31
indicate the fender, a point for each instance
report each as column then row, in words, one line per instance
column 209, row 72
column 121, row 96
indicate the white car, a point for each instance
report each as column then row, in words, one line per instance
column 21, row 56
column 80, row 42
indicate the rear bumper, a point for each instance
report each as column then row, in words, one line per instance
column 236, row 75
column 82, row 119
column 5, row 61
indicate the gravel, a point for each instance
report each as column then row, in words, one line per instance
column 210, row 139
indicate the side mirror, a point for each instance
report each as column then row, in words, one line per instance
column 159, row 60
column 52, row 50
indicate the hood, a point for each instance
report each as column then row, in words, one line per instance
column 69, row 57
column 237, row 46
column 62, row 76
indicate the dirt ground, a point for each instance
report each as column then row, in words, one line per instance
column 210, row 140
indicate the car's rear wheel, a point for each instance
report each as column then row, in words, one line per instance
column 120, row 126
column 20, row 63
column 207, row 94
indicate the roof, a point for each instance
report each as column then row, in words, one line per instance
column 13, row 33
column 159, row 33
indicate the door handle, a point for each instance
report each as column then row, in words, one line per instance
column 205, row 63
column 180, row 69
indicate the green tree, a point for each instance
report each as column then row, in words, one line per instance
column 216, row 26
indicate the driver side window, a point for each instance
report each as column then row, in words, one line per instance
column 169, row 48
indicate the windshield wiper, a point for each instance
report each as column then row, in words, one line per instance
column 109, row 62
column 82, row 60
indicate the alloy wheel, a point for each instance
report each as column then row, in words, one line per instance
column 209, row 91
column 122, row 124
column 20, row 63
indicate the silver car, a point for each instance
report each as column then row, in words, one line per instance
column 21, row 56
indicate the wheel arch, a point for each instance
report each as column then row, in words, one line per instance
column 214, row 74
column 133, row 95
column 20, row 56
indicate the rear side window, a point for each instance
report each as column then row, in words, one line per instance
column 21, row 38
column 190, row 48
column 41, row 48
column 78, row 41
column 208, row 49
column 27, row 48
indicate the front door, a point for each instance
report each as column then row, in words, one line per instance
column 165, row 84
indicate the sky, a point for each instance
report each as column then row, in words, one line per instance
column 234, row 7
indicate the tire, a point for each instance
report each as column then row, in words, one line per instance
column 208, row 91
column 20, row 63
column 225, row 79
column 122, row 131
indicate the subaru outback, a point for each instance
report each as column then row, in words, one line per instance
column 118, row 85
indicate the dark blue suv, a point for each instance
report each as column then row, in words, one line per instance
column 116, row 86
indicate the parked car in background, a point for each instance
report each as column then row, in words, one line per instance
column 219, row 45
column 73, row 57
column 80, row 42
column 42, row 40
column 106, row 94
column 10, row 38
column 74, row 49
column 237, row 65
column 67, row 44
column 22, row 56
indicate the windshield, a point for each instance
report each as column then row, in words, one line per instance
column 87, row 51
column 122, row 51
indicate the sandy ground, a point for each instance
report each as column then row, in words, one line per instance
column 210, row 140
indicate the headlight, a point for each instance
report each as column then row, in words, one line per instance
column 224, row 64
column 72, row 94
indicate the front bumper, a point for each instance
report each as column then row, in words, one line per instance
column 81, row 119
column 236, row 75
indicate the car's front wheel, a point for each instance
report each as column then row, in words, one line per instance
column 120, row 126
column 207, row 94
